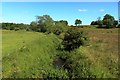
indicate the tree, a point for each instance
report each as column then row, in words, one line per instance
column 99, row 21
column 59, row 27
column 33, row 25
column 45, row 22
column 94, row 23
column 73, row 39
column 12, row 26
column 115, row 22
column 64, row 22
column 108, row 20
column 78, row 21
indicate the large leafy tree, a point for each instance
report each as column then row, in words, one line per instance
column 45, row 22
column 59, row 27
column 108, row 20
column 78, row 21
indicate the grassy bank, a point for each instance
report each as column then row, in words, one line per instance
column 31, row 54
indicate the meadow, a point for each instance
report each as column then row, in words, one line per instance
column 28, row 54
column 103, row 51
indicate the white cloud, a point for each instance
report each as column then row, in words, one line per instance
column 82, row 10
column 101, row 10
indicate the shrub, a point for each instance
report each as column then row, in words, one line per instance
column 16, row 29
column 73, row 39
column 27, row 29
column 76, row 64
column 58, row 28
column 12, row 28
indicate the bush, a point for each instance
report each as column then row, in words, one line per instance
column 73, row 39
column 16, row 29
column 27, row 29
column 12, row 28
column 58, row 28
column 76, row 64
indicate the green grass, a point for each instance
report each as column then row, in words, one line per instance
column 16, row 39
column 31, row 54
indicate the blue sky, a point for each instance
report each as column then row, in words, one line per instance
column 25, row 12
column 59, row 0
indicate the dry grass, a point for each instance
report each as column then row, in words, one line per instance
column 103, row 49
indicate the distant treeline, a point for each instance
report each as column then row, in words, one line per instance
column 46, row 24
column 14, row 26
column 108, row 21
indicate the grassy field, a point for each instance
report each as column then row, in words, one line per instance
column 28, row 54
column 103, row 51
column 31, row 54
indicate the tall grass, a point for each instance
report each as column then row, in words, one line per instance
column 31, row 59
column 103, row 52
column 31, row 55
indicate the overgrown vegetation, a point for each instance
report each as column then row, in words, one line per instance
column 72, row 60
column 15, row 26
column 33, row 58
column 73, row 39
column 56, row 51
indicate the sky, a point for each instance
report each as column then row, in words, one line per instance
column 25, row 12
column 59, row 0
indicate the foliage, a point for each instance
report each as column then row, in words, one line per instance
column 30, row 56
column 64, row 22
column 73, row 39
column 93, row 23
column 33, row 25
column 59, row 27
column 100, row 22
column 13, row 26
column 78, row 21
column 76, row 64
column 45, row 22
column 108, row 21
column 115, row 22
